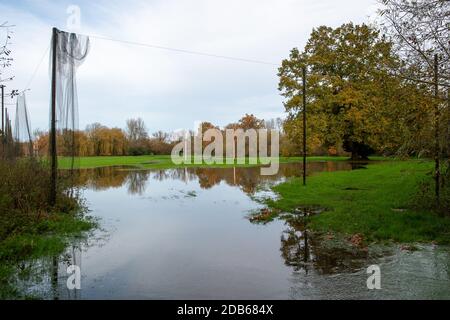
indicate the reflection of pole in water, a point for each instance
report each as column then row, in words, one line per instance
column 306, row 252
column 234, row 175
column 54, row 278
column 305, row 236
column 76, row 261
column 59, row 269
column 185, row 175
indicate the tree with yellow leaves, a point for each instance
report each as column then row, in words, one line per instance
column 350, row 90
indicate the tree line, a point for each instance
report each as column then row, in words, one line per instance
column 99, row 140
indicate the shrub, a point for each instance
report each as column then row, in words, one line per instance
column 24, row 194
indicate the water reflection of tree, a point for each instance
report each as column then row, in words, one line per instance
column 301, row 248
column 294, row 245
column 247, row 179
column 136, row 181
column 101, row 178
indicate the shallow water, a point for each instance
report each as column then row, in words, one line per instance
column 185, row 234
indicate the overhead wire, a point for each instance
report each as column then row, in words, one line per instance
column 153, row 46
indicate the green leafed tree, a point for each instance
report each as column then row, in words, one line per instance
column 350, row 90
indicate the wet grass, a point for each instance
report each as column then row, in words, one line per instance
column 45, row 238
column 376, row 202
column 165, row 162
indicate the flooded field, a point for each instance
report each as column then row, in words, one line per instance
column 185, row 234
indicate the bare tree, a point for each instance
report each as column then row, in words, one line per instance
column 161, row 136
column 5, row 52
column 420, row 30
column 136, row 130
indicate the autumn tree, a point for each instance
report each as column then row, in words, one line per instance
column 160, row 143
column 93, row 132
column 348, row 74
column 249, row 121
column 100, row 140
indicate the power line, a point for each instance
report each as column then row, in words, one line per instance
column 37, row 68
column 27, row 87
column 211, row 55
column 141, row 44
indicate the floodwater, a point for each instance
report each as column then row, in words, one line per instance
column 185, row 234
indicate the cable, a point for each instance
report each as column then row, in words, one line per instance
column 150, row 46
column 182, row 50
column 27, row 87
column 37, row 68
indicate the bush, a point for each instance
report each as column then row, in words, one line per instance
column 24, row 194
column 426, row 197
column 138, row 151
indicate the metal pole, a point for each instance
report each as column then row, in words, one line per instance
column 304, row 124
column 53, row 155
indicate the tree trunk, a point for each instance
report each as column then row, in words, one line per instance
column 437, row 168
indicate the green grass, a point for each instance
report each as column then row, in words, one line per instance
column 165, row 162
column 375, row 202
column 46, row 238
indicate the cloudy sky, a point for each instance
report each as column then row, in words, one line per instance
column 169, row 90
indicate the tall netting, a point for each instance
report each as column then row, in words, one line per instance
column 71, row 51
column 23, row 142
column 8, row 139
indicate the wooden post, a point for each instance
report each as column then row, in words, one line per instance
column 53, row 154
column 2, row 142
column 437, row 168
column 304, row 124
column 3, row 109
column 6, row 133
column 448, row 136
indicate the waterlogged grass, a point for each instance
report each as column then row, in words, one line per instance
column 46, row 238
column 375, row 202
column 165, row 161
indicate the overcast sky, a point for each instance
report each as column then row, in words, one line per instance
column 170, row 90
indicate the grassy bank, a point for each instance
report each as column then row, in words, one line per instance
column 46, row 238
column 164, row 161
column 376, row 202
column 29, row 228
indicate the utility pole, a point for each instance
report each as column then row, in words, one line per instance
column 6, row 133
column 304, row 124
column 448, row 135
column 6, row 136
column 53, row 155
column 3, row 108
column 2, row 142
column 436, row 132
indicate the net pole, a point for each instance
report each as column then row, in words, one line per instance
column 3, row 108
column 53, row 155
column 3, row 120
